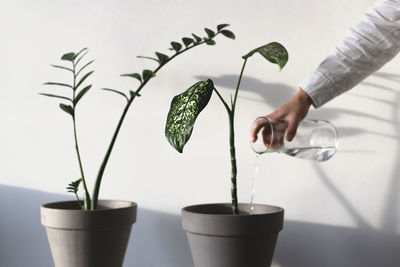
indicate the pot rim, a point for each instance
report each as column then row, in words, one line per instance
column 191, row 209
column 55, row 205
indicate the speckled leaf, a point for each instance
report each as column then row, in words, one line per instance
column 184, row 111
column 274, row 52
column 162, row 58
column 187, row 41
column 197, row 38
column 176, row 46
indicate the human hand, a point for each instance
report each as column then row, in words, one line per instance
column 293, row 112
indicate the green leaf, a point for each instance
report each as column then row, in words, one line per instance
column 151, row 58
column 133, row 75
column 184, row 111
column 81, row 93
column 197, row 38
column 56, row 96
column 116, row 91
column 147, row 74
column 58, row 84
column 228, row 34
column 162, row 58
column 62, row 67
column 68, row 56
column 83, row 79
column 176, row 46
column 68, row 109
column 210, row 33
column 209, row 41
column 80, row 52
column 84, row 66
column 221, row 26
column 187, row 41
column 81, row 57
column 73, row 187
column 274, row 52
column 133, row 93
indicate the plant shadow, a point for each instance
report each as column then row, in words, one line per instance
column 157, row 238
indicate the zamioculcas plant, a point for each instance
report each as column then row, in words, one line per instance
column 186, row 107
column 78, row 90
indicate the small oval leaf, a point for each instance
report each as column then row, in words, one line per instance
column 228, row 34
column 274, row 52
column 68, row 109
column 221, row 26
column 210, row 33
column 197, row 38
column 62, row 67
column 176, row 46
column 133, row 93
column 209, row 41
column 184, row 111
column 187, row 41
column 151, row 58
column 162, row 58
column 147, row 74
column 133, row 75
column 58, row 84
column 68, row 56
column 84, row 66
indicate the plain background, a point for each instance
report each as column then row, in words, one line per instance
column 344, row 212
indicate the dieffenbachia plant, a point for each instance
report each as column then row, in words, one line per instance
column 78, row 90
column 187, row 106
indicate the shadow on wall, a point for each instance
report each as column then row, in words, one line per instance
column 157, row 239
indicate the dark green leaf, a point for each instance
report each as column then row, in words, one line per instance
column 209, row 41
column 133, row 93
column 210, row 33
column 62, row 67
column 116, row 91
column 77, row 54
column 83, row 79
column 274, row 52
column 221, row 26
column 197, row 38
column 68, row 109
column 82, row 93
column 151, row 58
column 84, row 66
column 228, row 34
column 73, row 187
column 162, row 58
column 133, row 75
column 68, row 56
column 58, row 84
column 176, row 46
column 187, row 41
column 183, row 113
column 82, row 56
column 147, row 74
column 56, row 96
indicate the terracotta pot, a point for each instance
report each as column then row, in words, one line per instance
column 95, row 238
column 217, row 238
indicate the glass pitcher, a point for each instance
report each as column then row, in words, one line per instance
column 315, row 139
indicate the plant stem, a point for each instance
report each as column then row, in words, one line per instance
column 87, row 196
column 231, row 114
column 103, row 165
column 79, row 201
column 235, row 208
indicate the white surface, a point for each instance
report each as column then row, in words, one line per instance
column 351, row 202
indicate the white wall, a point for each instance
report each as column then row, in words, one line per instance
column 344, row 212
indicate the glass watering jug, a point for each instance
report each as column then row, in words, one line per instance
column 315, row 139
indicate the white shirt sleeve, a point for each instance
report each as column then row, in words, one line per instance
column 365, row 49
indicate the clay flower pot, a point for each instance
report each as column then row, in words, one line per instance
column 95, row 238
column 217, row 238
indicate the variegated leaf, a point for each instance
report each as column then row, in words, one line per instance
column 274, row 52
column 184, row 111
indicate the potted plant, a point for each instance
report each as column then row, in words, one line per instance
column 222, row 234
column 93, row 232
